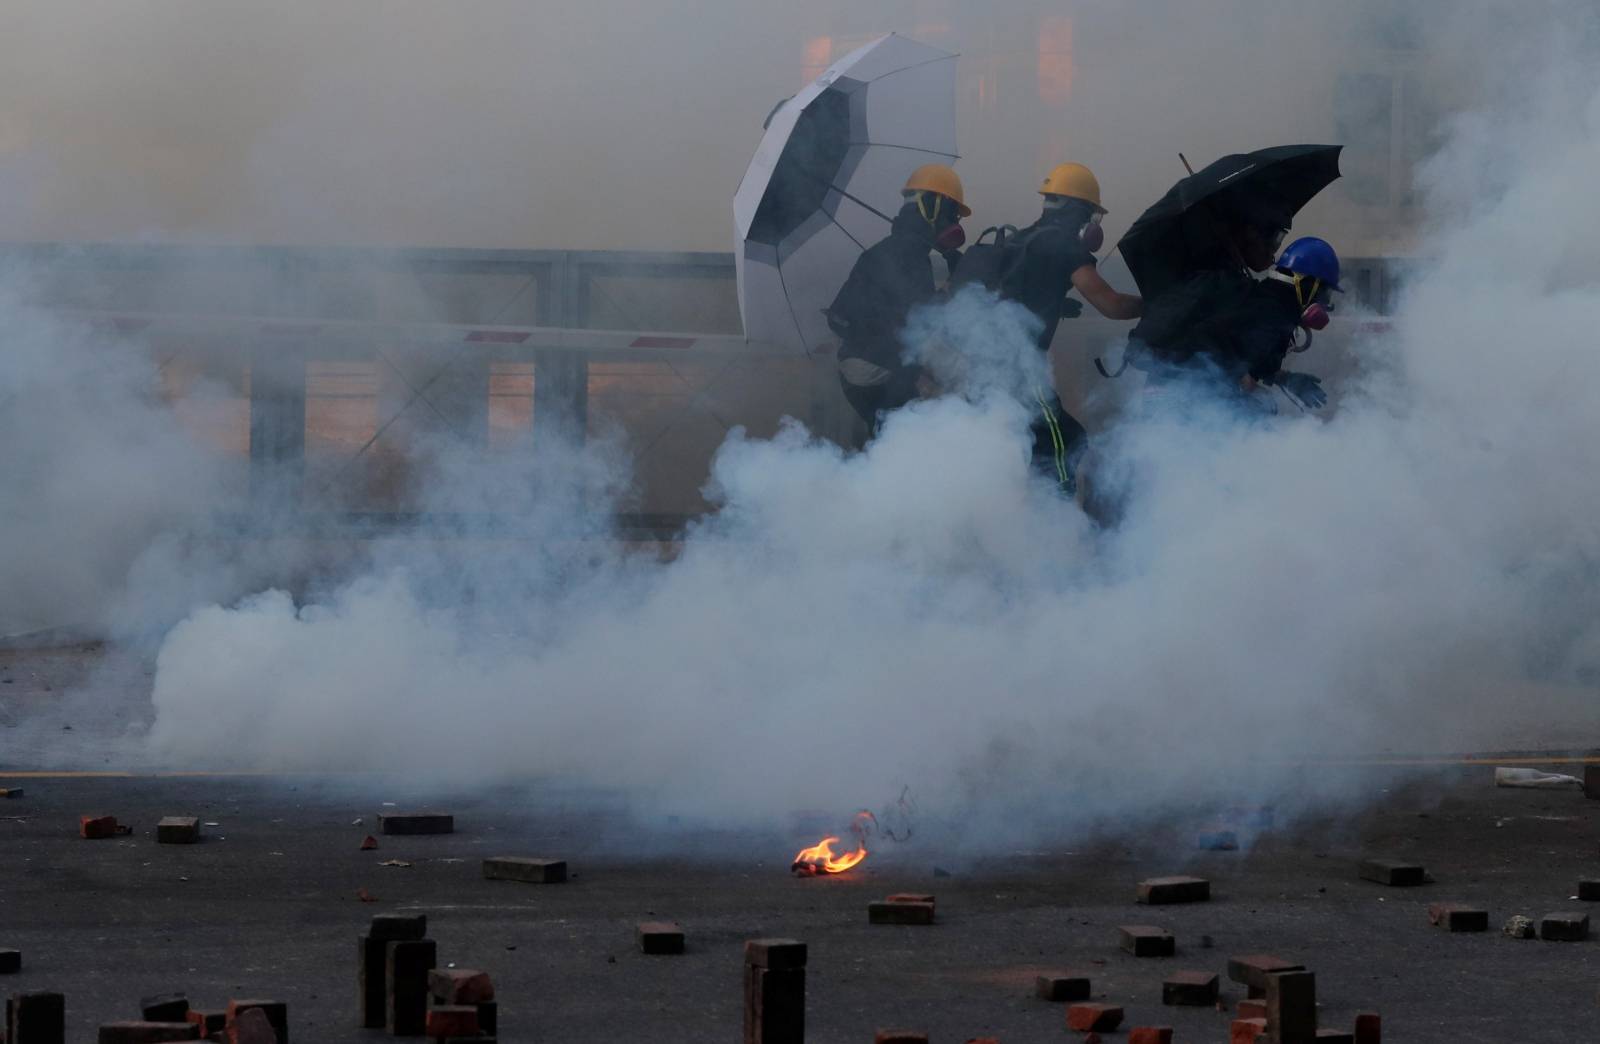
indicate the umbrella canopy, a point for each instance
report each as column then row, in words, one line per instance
column 1183, row 231
column 826, row 179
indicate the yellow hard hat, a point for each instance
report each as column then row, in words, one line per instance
column 936, row 177
column 1075, row 180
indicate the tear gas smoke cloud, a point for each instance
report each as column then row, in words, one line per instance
column 925, row 614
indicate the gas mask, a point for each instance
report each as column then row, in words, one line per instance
column 1091, row 235
column 951, row 238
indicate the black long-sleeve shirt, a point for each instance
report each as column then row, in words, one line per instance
column 888, row 280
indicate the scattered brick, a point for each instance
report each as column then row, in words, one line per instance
column 1292, row 1007
column 1150, row 1035
column 1519, row 927
column 275, row 1012
column 141, row 1032
column 164, row 1007
column 460, row 986
column 369, row 843
column 452, row 1020
column 1251, row 1008
column 660, row 937
column 1335, row 1036
column 488, row 1017
column 10, row 962
column 1591, row 781
column 10, row 792
column 209, row 1023
column 1369, row 1028
column 1252, row 970
column 405, row 1004
column 909, row 897
column 533, row 871
column 1247, row 1031
column 97, row 827
column 774, row 991
column 1589, row 891
column 1453, row 917
column 1564, row 927
column 417, row 823
column 1085, row 1018
column 1219, row 841
column 365, row 896
column 178, row 830
column 252, row 1026
column 1162, row 890
column 775, row 953
column 1394, row 873
column 899, row 1037
column 1191, row 988
column 398, row 927
column 899, row 913
column 1143, row 940
column 36, row 1017
column 372, row 960
column 1061, row 986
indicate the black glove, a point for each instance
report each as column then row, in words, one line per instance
column 1304, row 389
column 1071, row 308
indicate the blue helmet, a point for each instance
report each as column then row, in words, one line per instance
column 1310, row 256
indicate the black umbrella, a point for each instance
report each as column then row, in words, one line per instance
column 1184, row 230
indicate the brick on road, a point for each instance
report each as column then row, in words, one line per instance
column 1191, row 988
column 417, row 823
column 1143, row 940
column 660, row 937
column 144, row 1032
column 899, row 913
column 1062, row 986
column 1394, row 873
column 1159, row 891
column 518, row 868
column 1093, row 1018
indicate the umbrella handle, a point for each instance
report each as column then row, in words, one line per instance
column 1107, row 374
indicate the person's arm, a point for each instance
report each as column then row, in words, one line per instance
column 1108, row 302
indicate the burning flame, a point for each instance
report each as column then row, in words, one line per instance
column 820, row 857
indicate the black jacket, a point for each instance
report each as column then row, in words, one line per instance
column 888, row 280
column 1250, row 332
column 1051, row 252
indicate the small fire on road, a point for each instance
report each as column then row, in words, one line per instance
column 821, row 859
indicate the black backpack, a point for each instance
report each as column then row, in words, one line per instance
column 993, row 263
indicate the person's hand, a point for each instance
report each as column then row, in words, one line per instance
column 1071, row 308
column 1304, row 389
column 927, row 388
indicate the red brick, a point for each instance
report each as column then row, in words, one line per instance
column 488, row 1018
column 1096, row 1017
column 909, row 897
column 275, row 1012
column 1453, row 917
column 1193, row 988
column 774, row 1003
column 142, row 1032
column 397, row 927
column 405, row 976
column 164, row 1007
column 10, row 964
column 178, row 830
column 1162, row 890
column 1564, row 927
column 1591, row 781
column 1143, row 940
column 371, row 956
column 459, row 986
column 899, row 913
column 1252, row 970
column 209, row 1022
column 452, row 1020
column 36, row 1017
column 1393, row 872
column 1589, row 891
column 1292, row 1007
column 519, row 868
column 368, row 843
column 900, row 1037
column 660, row 937
column 1247, row 1031
column 1252, row 1008
column 1061, row 986
column 1150, row 1035
column 250, row 1026
column 97, row 827
column 1369, row 1028
column 775, row 953
column 417, row 823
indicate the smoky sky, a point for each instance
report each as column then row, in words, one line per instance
column 493, row 123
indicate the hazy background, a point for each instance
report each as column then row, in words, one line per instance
column 508, row 123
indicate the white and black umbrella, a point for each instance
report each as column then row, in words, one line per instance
column 827, row 178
